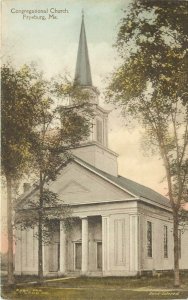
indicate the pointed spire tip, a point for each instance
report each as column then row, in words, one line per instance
column 82, row 13
column 83, row 71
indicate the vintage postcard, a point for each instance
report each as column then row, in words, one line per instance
column 94, row 149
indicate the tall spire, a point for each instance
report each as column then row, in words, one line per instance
column 83, row 72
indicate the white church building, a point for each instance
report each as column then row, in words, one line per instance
column 123, row 228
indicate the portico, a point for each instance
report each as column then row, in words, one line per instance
column 105, row 244
column 80, row 249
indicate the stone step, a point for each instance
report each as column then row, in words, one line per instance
column 90, row 273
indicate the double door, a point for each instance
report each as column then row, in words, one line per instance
column 54, row 252
column 78, row 256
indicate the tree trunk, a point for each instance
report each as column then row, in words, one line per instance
column 176, row 249
column 40, row 243
column 10, row 231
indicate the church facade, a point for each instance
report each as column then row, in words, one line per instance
column 121, row 228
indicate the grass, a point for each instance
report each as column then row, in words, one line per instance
column 97, row 294
column 120, row 282
column 99, row 288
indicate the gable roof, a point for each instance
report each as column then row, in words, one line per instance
column 136, row 189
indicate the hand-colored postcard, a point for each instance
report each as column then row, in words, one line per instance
column 94, row 157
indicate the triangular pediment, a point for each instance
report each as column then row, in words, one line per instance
column 73, row 187
column 78, row 185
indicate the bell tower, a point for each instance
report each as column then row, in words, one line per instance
column 95, row 151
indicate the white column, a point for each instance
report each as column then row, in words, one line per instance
column 134, row 243
column 105, row 244
column 62, row 265
column 84, row 246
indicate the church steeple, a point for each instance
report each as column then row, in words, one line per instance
column 83, row 71
column 94, row 150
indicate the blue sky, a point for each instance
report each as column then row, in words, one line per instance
column 53, row 45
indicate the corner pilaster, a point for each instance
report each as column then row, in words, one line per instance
column 85, row 248
column 62, row 263
column 134, row 243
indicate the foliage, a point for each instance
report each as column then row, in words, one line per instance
column 53, row 210
column 150, row 86
column 36, row 137
column 57, row 131
column 59, row 128
column 156, row 34
column 20, row 89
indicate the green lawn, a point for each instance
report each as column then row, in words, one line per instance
column 100, row 288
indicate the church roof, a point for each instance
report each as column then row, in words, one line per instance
column 83, row 71
column 137, row 189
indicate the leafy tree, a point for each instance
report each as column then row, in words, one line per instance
column 58, row 130
column 150, row 86
column 30, row 137
column 19, row 100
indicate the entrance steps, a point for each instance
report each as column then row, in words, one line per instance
column 73, row 274
column 95, row 274
column 89, row 273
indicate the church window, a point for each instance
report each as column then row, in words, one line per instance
column 165, row 241
column 99, row 131
column 149, row 239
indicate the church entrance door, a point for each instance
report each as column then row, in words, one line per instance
column 78, row 256
column 54, row 257
column 99, row 255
